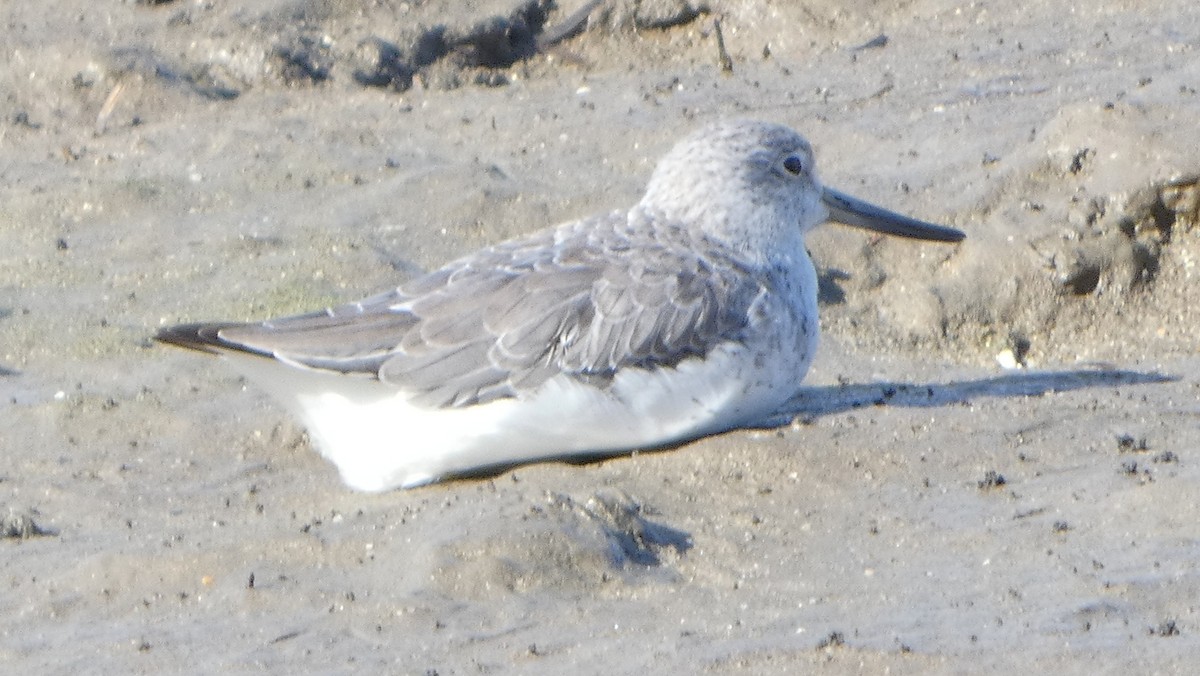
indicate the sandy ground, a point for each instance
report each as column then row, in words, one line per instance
column 928, row 511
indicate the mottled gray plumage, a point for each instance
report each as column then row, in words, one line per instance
column 502, row 321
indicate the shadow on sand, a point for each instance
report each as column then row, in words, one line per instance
column 814, row 402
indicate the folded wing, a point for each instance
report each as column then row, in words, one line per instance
column 586, row 299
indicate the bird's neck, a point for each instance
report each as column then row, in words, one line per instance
column 760, row 237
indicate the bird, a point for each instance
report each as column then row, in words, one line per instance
column 691, row 313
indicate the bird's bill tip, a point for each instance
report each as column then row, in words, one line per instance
column 852, row 211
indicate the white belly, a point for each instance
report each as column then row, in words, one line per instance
column 378, row 440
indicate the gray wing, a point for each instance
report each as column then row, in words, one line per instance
column 587, row 298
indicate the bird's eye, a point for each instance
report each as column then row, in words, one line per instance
column 793, row 164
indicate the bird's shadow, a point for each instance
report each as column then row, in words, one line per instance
column 814, row 402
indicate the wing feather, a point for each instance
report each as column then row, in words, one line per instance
column 587, row 298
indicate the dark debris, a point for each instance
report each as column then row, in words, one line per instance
column 22, row 527
column 991, row 480
column 835, row 640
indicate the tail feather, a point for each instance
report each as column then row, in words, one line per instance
column 204, row 337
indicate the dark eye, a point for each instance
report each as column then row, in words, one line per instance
column 793, row 164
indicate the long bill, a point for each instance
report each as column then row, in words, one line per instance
column 852, row 211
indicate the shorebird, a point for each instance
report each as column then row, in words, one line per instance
column 691, row 313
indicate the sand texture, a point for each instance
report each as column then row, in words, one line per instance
column 997, row 468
